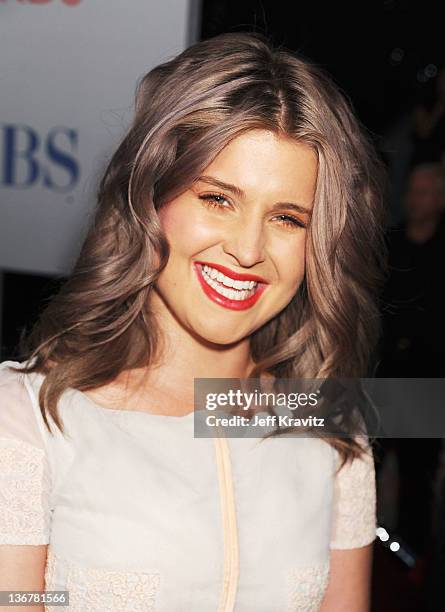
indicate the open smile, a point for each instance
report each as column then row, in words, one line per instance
column 227, row 288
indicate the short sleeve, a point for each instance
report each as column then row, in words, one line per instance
column 24, row 467
column 354, row 510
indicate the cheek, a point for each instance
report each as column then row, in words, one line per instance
column 290, row 260
column 184, row 229
column 171, row 217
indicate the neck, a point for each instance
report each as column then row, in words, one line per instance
column 421, row 230
column 183, row 356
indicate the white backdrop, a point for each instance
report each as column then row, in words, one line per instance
column 68, row 72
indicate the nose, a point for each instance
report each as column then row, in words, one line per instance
column 246, row 242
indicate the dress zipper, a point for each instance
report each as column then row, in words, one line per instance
column 231, row 553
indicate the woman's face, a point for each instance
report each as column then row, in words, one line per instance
column 237, row 238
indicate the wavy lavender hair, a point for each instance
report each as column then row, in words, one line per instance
column 187, row 110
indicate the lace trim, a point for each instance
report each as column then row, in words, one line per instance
column 307, row 586
column 355, row 508
column 23, row 519
column 101, row 590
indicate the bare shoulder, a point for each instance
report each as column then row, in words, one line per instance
column 114, row 395
column 128, row 391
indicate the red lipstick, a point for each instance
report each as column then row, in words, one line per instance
column 222, row 300
column 232, row 274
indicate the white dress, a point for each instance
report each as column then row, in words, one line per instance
column 140, row 516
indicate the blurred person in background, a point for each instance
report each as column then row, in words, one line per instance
column 413, row 340
column 416, row 136
column 414, row 301
column 429, row 126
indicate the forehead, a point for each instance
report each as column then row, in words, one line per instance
column 259, row 160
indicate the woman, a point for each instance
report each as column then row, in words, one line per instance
column 237, row 235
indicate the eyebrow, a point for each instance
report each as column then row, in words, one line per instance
column 238, row 192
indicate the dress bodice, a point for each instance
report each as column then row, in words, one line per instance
column 139, row 515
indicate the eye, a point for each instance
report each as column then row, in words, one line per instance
column 214, row 200
column 290, row 221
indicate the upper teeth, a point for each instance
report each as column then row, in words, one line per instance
column 227, row 281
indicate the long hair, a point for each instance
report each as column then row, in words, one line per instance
column 187, row 109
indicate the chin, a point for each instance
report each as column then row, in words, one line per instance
column 219, row 334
